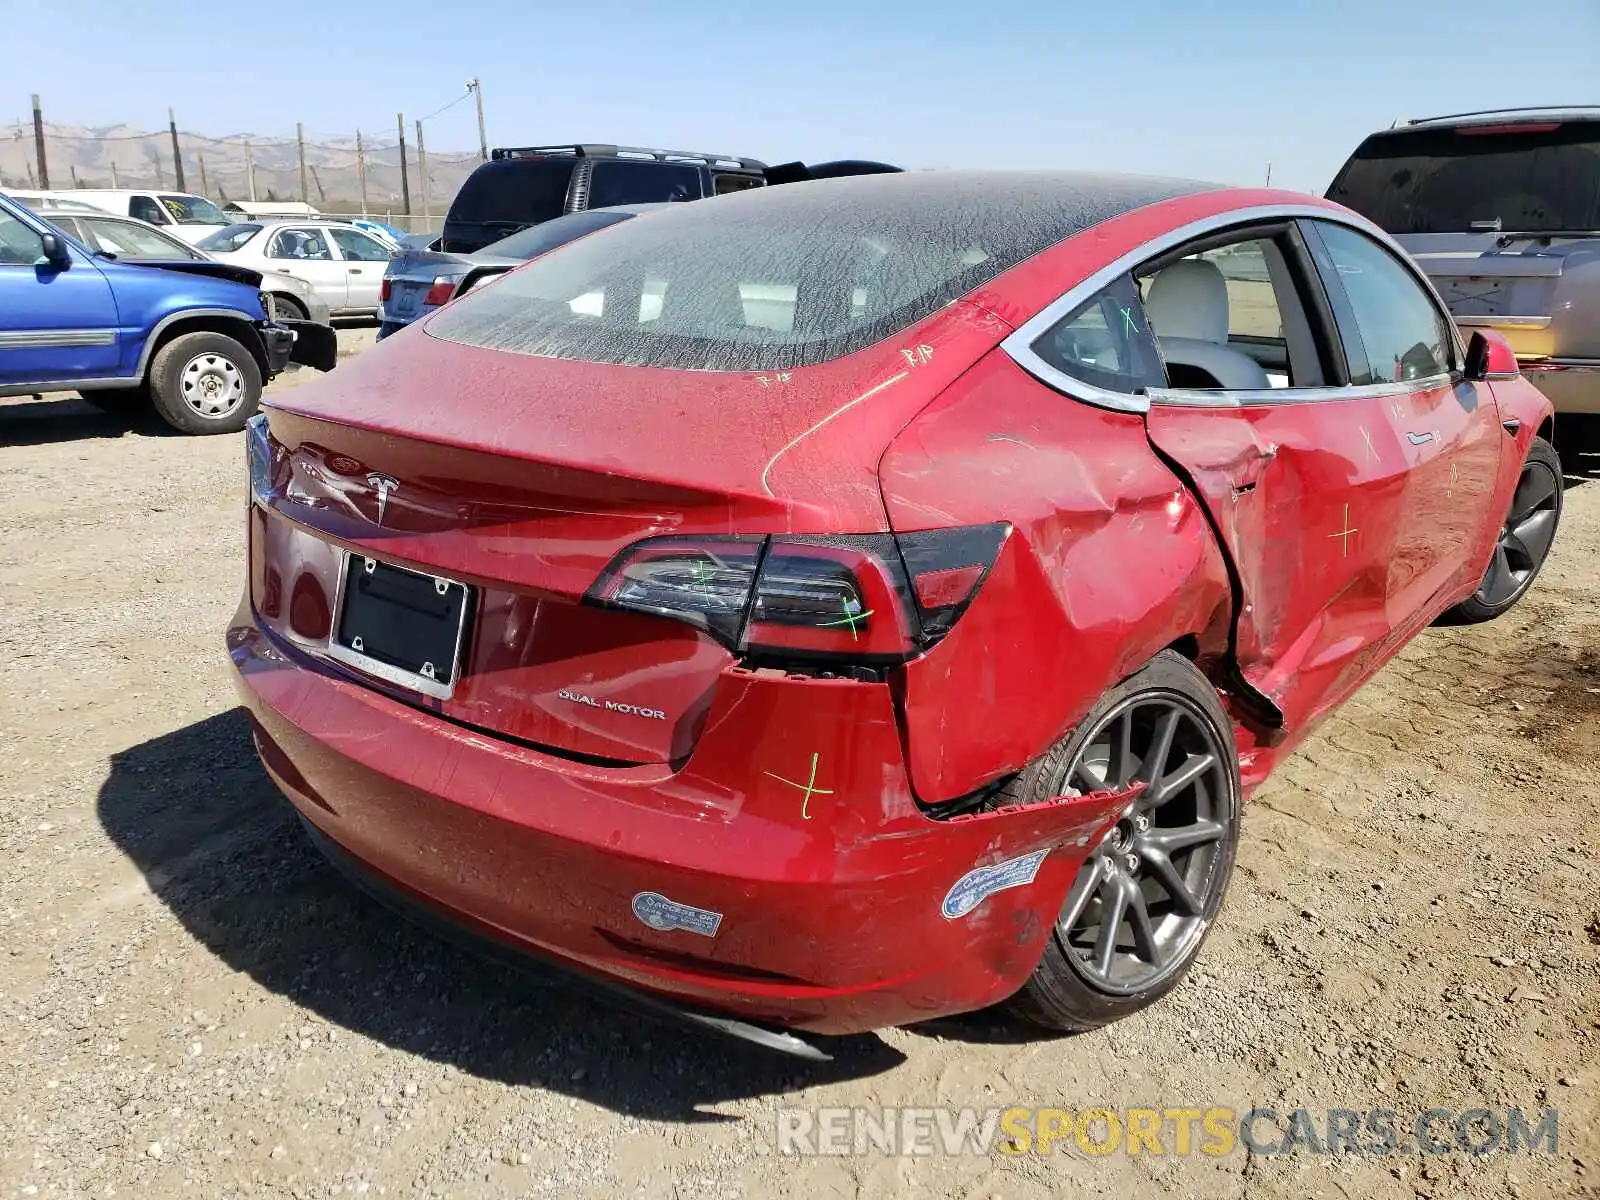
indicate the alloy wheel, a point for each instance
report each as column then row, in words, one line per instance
column 212, row 385
column 1525, row 538
column 1142, row 900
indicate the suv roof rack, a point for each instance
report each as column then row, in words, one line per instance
column 1582, row 110
column 606, row 150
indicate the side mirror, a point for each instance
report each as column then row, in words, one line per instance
column 1489, row 356
column 55, row 250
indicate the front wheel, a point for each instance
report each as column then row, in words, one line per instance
column 205, row 383
column 1145, row 898
column 1524, row 541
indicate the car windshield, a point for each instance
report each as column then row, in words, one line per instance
column 128, row 240
column 1528, row 177
column 194, row 210
column 541, row 239
column 231, row 238
column 770, row 278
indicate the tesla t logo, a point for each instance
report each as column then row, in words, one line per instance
column 383, row 485
column 633, row 710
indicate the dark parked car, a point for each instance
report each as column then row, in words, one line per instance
column 1502, row 210
column 525, row 185
column 418, row 281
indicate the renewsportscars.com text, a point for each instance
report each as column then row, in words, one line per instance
column 1213, row 1131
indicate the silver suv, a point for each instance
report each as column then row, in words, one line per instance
column 1502, row 210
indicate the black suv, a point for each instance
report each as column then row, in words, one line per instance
column 525, row 185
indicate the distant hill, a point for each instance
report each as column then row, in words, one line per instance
column 144, row 159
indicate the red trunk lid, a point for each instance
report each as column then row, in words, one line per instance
column 525, row 476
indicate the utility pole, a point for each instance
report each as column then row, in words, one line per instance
column 250, row 167
column 405, row 175
column 476, row 89
column 422, row 170
column 114, row 181
column 361, row 171
column 177, row 155
column 322, row 194
column 1269, row 173
column 200, row 161
column 300, row 141
column 161, row 174
column 38, row 144
column 73, row 167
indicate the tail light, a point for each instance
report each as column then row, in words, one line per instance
column 384, row 288
column 876, row 598
column 443, row 287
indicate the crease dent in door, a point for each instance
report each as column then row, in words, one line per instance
column 1305, row 500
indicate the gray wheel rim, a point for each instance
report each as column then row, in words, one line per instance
column 1525, row 537
column 1143, row 898
column 212, row 385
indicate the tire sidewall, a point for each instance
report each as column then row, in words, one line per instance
column 1056, row 994
column 1473, row 610
column 166, row 389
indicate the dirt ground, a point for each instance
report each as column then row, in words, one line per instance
column 192, row 1003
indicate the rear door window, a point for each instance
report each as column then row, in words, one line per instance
column 623, row 181
column 358, row 247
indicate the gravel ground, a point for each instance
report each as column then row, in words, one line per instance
column 191, row 1003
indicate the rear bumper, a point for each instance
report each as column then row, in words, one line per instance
column 828, row 920
column 1572, row 384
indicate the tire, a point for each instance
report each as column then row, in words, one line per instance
column 290, row 308
column 1526, row 535
column 119, row 402
column 1071, row 989
column 205, row 383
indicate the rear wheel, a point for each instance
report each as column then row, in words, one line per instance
column 1145, row 898
column 1525, row 538
column 205, row 383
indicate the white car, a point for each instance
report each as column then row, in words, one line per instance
column 182, row 214
column 135, row 241
column 343, row 265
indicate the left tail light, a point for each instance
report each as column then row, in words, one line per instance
column 385, row 288
column 873, row 598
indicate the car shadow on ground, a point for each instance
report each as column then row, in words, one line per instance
column 223, row 851
column 63, row 417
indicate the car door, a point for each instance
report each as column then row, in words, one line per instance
column 1394, row 329
column 365, row 259
column 58, row 324
column 1302, row 468
column 307, row 253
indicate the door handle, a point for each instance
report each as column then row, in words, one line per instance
column 355, row 270
column 1511, row 425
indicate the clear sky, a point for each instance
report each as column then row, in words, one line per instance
column 1211, row 88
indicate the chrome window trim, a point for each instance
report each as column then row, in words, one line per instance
column 35, row 339
column 1477, row 322
column 1217, row 398
column 1019, row 344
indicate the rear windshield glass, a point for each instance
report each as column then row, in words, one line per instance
column 788, row 276
column 1523, row 178
column 517, row 191
column 530, row 243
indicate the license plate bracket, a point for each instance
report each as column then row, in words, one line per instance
column 403, row 626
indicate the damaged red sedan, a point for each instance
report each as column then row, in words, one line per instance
column 839, row 605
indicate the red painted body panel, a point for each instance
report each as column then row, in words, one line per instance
column 832, row 918
column 1110, row 562
column 789, row 803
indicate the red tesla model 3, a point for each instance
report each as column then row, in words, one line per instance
column 832, row 606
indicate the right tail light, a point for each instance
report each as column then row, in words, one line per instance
column 875, row 598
